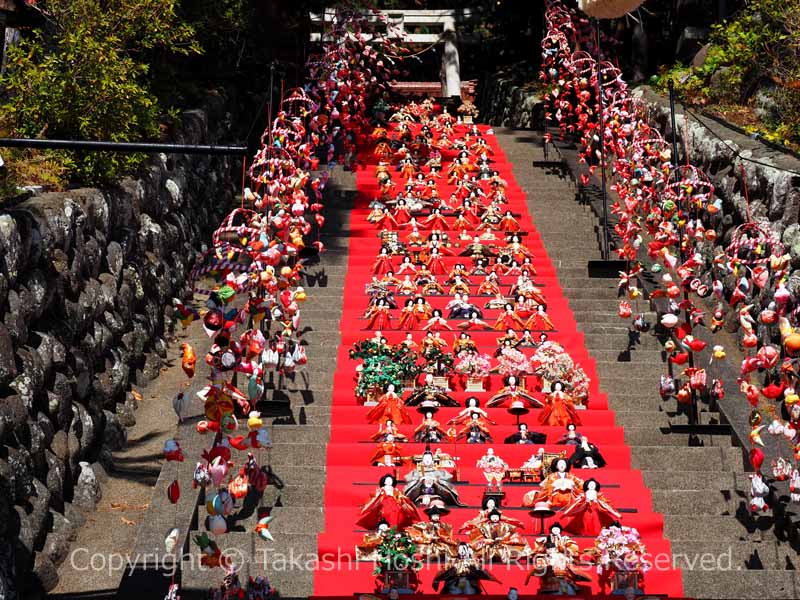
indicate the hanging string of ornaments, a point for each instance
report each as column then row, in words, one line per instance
column 251, row 276
column 672, row 212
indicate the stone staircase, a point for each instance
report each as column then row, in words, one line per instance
column 700, row 490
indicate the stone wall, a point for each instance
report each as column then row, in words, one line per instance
column 86, row 282
column 508, row 98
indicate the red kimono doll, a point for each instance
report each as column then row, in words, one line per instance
column 539, row 321
column 386, row 221
column 378, row 316
column 435, row 221
column 437, row 322
column 508, row 223
column 474, row 323
column 508, row 319
column 388, row 504
column 407, row 320
column 390, row 407
column 559, row 409
column 488, row 287
column 383, row 263
column 590, row 512
column 421, row 311
column 401, row 213
column 435, row 263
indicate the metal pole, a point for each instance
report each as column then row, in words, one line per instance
column 144, row 147
column 686, row 316
column 601, row 132
column 269, row 115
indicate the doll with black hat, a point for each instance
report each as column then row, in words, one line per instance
column 434, row 538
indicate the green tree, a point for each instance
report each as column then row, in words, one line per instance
column 85, row 75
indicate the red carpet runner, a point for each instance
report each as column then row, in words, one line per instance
column 351, row 480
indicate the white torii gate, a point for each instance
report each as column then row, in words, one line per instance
column 441, row 23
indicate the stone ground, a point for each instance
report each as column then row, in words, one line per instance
column 109, row 533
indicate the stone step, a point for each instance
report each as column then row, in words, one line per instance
column 743, row 584
column 645, row 371
column 637, row 356
column 696, row 502
column 744, row 555
column 654, row 458
column 663, row 479
column 651, row 436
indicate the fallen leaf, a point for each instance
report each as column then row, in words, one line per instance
column 118, row 506
column 127, row 521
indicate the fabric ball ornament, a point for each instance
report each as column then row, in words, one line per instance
column 792, row 344
column 217, row 524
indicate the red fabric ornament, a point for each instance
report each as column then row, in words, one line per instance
column 756, row 458
column 174, row 492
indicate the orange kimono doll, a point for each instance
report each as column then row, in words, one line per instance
column 559, row 488
column 559, row 409
column 435, row 263
column 508, row 223
column 390, row 407
column 508, row 319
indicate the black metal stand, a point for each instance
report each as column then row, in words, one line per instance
column 602, row 135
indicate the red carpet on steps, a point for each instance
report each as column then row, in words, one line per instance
column 351, row 480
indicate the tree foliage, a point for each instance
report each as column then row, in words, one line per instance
column 86, row 76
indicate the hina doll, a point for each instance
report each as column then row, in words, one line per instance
column 571, row 437
column 401, row 213
column 437, row 322
column 587, row 456
column 429, row 431
column 508, row 319
column 429, row 396
column 367, row 550
column 432, row 342
column 388, row 453
column 387, row 429
column 464, row 344
column 383, row 263
column 435, row 221
column 474, row 323
column 517, row 250
column 470, row 528
column 433, row 288
column 407, row 321
column 508, row 224
column 407, row 287
column 557, row 553
column 406, row 266
column 434, row 538
column 525, row 436
column 456, row 307
column 489, row 287
column 512, row 394
column 473, row 405
column 435, row 262
column 422, row 311
column 385, row 220
column 539, row 321
column 475, row 431
column 500, row 541
column 559, row 409
column 589, row 512
column 494, row 469
column 390, row 407
column 459, row 286
column 478, row 249
column 378, row 316
column 429, row 482
column 388, row 504
column 463, row 574
column 559, row 488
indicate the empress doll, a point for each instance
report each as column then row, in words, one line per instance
column 388, row 504
column 559, row 488
column 559, row 408
column 390, row 407
column 508, row 223
column 589, row 512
